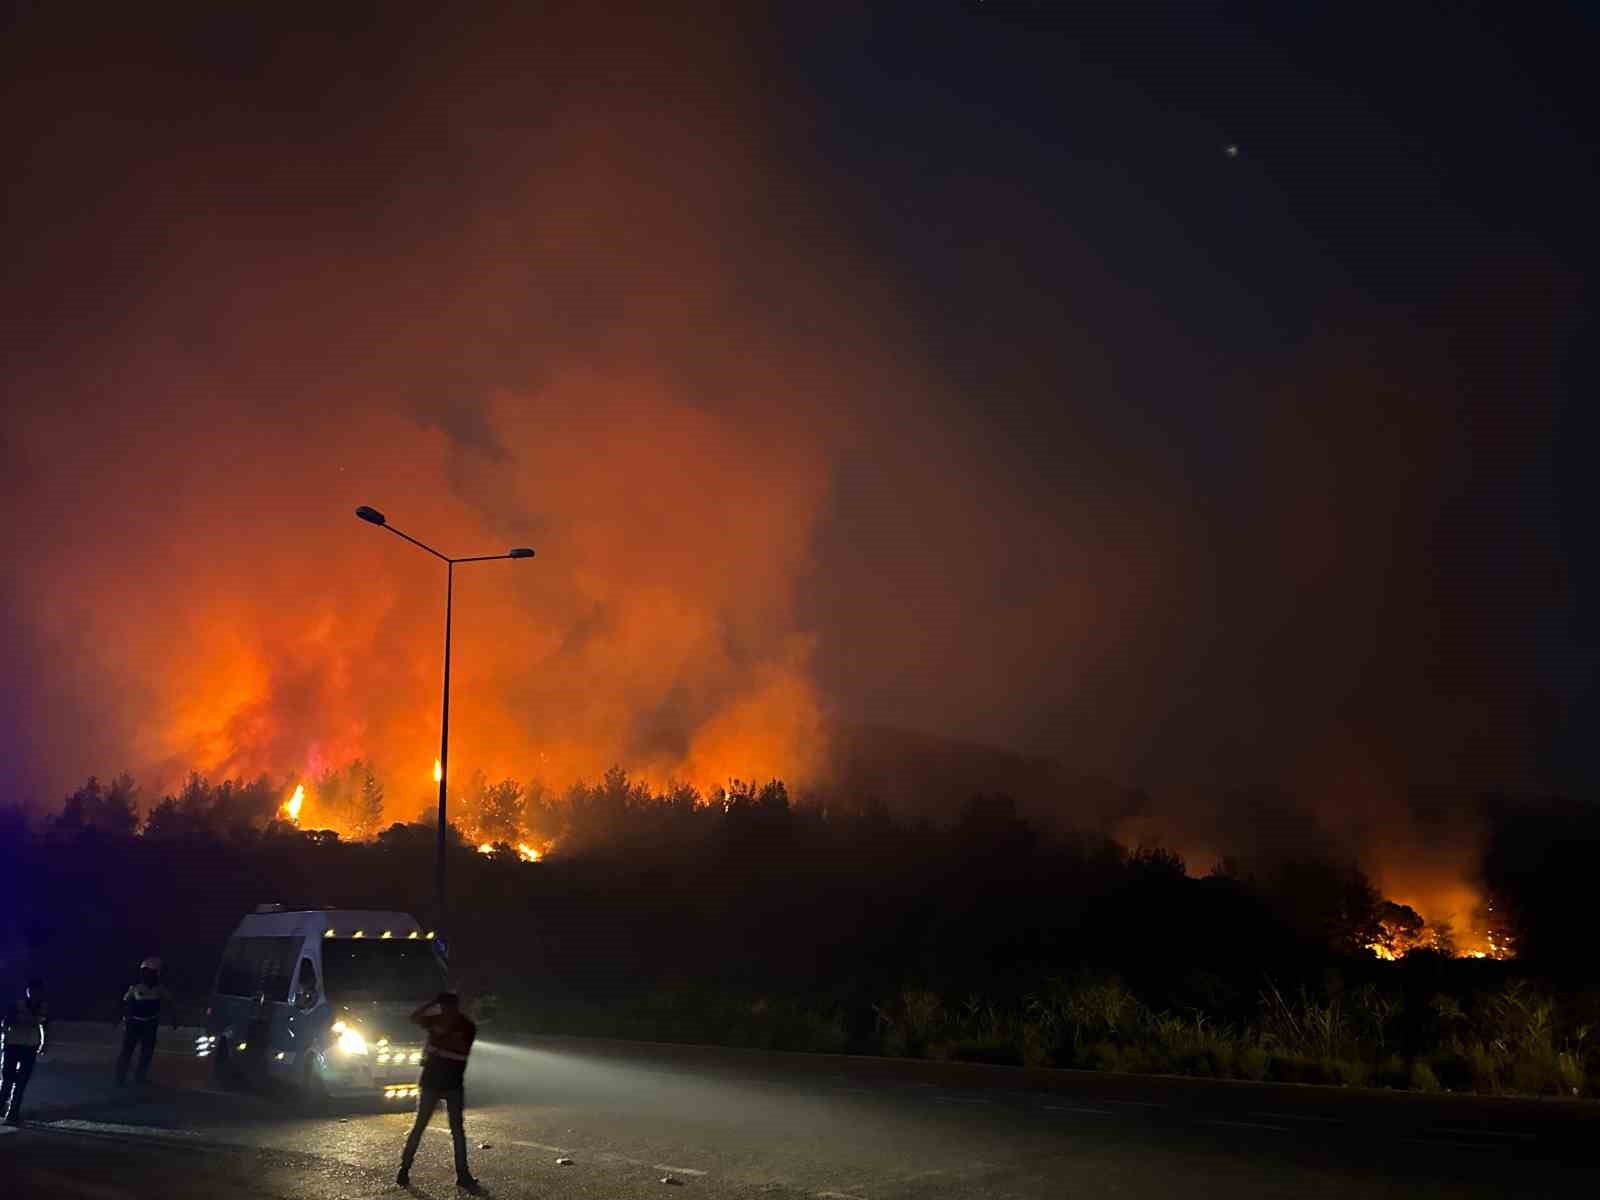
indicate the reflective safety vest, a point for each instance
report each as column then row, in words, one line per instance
column 143, row 1003
column 24, row 1024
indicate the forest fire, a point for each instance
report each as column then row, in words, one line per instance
column 1404, row 934
column 291, row 806
column 525, row 852
column 1497, row 950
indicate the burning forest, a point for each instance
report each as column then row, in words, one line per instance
column 1047, row 535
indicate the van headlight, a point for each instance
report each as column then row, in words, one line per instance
column 350, row 1041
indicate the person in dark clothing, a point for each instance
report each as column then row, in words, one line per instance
column 444, row 1069
column 23, row 1028
column 141, row 1014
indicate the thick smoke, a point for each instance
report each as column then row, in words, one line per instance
column 538, row 285
column 590, row 282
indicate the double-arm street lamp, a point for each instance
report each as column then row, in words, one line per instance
column 373, row 516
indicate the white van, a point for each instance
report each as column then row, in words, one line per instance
column 321, row 999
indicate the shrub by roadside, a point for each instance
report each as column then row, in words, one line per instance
column 1510, row 1040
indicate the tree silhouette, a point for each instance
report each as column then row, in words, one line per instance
column 110, row 810
column 368, row 807
column 1400, row 928
column 500, row 812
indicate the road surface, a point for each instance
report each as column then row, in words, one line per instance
column 719, row 1124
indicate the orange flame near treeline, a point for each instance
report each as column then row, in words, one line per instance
column 663, row 449
column 623, row 332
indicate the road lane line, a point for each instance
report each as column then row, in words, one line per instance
column 1440, row 1142
column 1099, row 1112
column 515, row 1142
column 958, row 1100
column 1247, row 1125
column 1134, row 1103
column 1486, row 1133
column 1278, row 1116
column 149, row 1131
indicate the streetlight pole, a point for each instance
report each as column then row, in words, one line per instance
column 374, row 517
column 444, row 752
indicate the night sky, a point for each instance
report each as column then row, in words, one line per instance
column 928, row 365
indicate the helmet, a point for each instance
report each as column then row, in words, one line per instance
column 150, row 964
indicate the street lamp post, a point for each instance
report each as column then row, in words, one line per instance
column 374, row 517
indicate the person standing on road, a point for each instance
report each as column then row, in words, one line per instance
column 141, row 1014
column 444, row 1069
column 22, row 1040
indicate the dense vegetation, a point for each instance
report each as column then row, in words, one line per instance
column 748, row 919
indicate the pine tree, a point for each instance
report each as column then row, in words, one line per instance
column 500, row 811
column 368, row 814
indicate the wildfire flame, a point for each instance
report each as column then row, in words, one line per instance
column 291, row 806
column 438, row 770
column 1500, row 945
column 524, row 851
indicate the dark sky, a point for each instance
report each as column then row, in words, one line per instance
column 932, row 365
column 1337, row 371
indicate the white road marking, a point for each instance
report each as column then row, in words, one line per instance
column 515, row 1142
column 1487, row 1133
column 1134, row 1103
column 5, row 1129
column 1248, row 1125
column 1277, row 1116
column 1099, row 1112
column 149, row 1131
column 1452, row 1145
column 959, row 1100
column 679, row 1170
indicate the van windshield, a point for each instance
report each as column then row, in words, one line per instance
column 380, row 969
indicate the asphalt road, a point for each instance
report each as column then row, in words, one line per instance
column 725, row 1124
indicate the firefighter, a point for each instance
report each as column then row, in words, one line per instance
column 444, row 1068
column 141, row 1013
column 22, row 1035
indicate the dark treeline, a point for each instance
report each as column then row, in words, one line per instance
column 749, row 918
